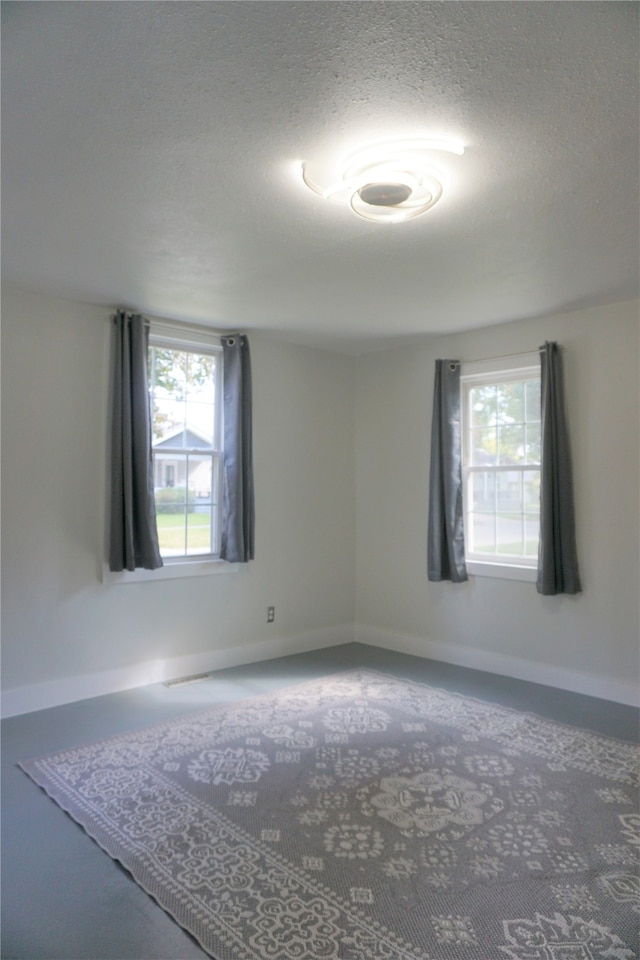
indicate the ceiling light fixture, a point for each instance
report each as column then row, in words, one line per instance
column 386, row 182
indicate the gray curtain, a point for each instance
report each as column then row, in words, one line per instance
column 445, row 546
column 238, row 518
column 557, row 555
column 133, row 540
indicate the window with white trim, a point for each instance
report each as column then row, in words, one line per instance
column 185, row 377
column 501, row 452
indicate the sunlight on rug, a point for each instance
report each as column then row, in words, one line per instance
column 370, row 818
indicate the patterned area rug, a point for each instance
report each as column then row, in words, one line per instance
column 370, row 818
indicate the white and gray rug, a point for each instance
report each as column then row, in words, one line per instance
column 370, row 818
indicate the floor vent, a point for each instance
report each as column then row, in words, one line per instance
column 195, row 678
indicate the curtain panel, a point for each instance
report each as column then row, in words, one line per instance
column 557, row 555
column 238, row 518
column 445, row 545
column 133, row 538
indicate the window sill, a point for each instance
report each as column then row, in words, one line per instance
column 502, row 571
column 172, row 571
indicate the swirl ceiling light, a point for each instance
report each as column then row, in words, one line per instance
column 386, row 182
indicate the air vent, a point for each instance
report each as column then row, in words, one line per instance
column 182, row 680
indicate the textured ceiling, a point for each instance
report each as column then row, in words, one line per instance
column 148, row 156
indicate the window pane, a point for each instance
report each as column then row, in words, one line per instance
column 532, row 535
column 199, row 418
column 200, row 385
column 483, row 446
column 532, row 399
column 482, row 401
column 170, row 523
column 509, row 527
column 168, row 419
column 532, row 493
column 501, row 423
column 199, row 530
column 199, row 481
column 510, row 399
column 483, row 537
column 182, row 385
column 509, row 491
column 171, row 474
column 532, row 448
column 482, row 492
column 183, row 396
column 511, row 446
column 167, row 373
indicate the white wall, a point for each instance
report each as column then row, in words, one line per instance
column 588, row 643
column 66, row 634
column 325, row 426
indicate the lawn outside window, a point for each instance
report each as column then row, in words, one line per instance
column 501, row 449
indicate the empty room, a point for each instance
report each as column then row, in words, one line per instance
column 320, row 480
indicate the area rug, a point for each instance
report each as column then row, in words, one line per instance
column 366, row 817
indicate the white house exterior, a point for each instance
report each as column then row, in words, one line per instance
column 182, row 459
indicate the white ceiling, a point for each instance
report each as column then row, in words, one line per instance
column 148, row 156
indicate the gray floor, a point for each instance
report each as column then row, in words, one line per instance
column 64, row 899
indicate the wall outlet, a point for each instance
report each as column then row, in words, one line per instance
column 271, row 614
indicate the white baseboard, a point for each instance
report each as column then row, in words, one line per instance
column 606, row 688
column 54, row 693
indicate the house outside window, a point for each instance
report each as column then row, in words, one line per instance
column 501, row 450
column 185, row 375
column 169, row 474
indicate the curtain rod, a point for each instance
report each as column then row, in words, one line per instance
column 181, row 325
column 503, row 356
column 189, row 327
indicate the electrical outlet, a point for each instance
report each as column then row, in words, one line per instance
column 271, row 614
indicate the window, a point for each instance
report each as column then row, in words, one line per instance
column 501, row 464
column 185, row 376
